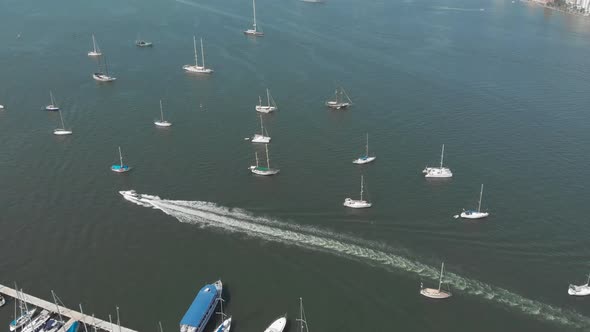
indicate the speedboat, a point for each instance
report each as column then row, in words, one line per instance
column 143, row 43
column 103, row 77
column 581, row 290
column 278, row 325
column 22, row 320
column 225, row 326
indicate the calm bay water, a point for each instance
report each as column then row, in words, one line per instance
column 504, row 88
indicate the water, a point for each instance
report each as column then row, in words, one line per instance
column 503, row 88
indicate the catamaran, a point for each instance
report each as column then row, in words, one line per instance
column 358, row 203
column 261, row 170
column 436, row 293
column 302, row 319
column 271, row 107
column 198, row 314
column 120, row 168
column 53, row 106
column 341, row 100
column 278, row 325
column 254, row 31
column 581, row 290
column 438, row 172
column 261, row 138
column 162, row 122
column 365, row 159
column 475, row 214
column 62, row 130
column 95, row 50
column 103, row 77
column 196, row 68
column 142, row 43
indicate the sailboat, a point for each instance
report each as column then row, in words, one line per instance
column 341, row 100
column 142, row 43
column 278, row 325
column 365, row 159
column 53, row 105
column 266, row 108
column 302, row 320
column 25, row 313
column 53, row 324
column 120, row 168
column 475, row 214
column 438, row 172
column 261, row 170
column 162, row 122
column 358, row 203
column 436, row 293
column 103, row 77
column 95, row 50
column 196, row 68
column 261, row 138
column 254, row 30
column 581, row 290
column 225, row 322
column 62, row 130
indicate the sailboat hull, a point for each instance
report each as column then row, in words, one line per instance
column 61, row 132
column 260, row 139
column 277, row 326
column 437, row 172
column 265, row 109
column 264, row 171
column 197, row 69
column 474, row 215
column 252, row 32
column 103, row 78
column 363, row 160
column 435, row 293
column 120, row 169
column 337, row 105
column 162, row 123
column 51, row 108
column 92, row 53
column 356, row 204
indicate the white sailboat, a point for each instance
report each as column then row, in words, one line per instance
column 103, row 77
column 196, row 68
column 261, row 170
column 225, row 325
column 261, row 138
column 120, row 168
column 95, row 50
column 436, row 293
column 53, row 105
column 62, row 130
column 302, row 319
column 270, row 107
column 25, row 313
column 475, row 214
column 278, row 325
column 341, row 100
column 581, row 290
column 358, row 203
column 162, row 122
column 254, row 30
column 438, row 172
column 366, row 158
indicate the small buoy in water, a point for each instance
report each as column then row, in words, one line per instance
column 246, row 138
column 1, row 107
column 456, row 216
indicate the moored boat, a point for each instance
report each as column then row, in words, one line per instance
column 475, row 214
column 23, row 319
column 366, row 158
column 198, row 314
column 581, row 290
column 261, row 170
column 438, row 172
column 254, row 31
column 278, row 325
column 358, row 203
column 120, row 168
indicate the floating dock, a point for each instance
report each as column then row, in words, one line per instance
column 65, row 312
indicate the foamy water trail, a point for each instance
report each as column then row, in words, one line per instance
column 207, row 214
column 457, row 9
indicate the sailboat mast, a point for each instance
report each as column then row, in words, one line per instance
column 442, row 156
column 367, row 152
column 118, row 320
column 362, row 184
column 63, row 126
column 261, row 126
column 254, row 10
column 260, row 100
column 51, row 97
column 83, row 321
column 121, row 157
column 301, row 314
column 161, row 111
column 106, row 66
column 256, row 154
column 267, row 159
column 480, row 194
column 268, row 97
column 93, row 43
column 202, row 53
column 442, row 267
column 195, row 47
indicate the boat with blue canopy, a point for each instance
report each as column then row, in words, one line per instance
column 198, row 314
column 120, row 168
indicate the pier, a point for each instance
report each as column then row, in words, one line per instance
column 63, row 311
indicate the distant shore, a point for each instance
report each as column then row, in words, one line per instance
column 555, row 8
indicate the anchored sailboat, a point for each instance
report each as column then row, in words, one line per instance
column 254, row 31
column 581, row 290
column 475, row 214
column 261, row 138
column 162, row 122
column 95, row 50
column 62, row 130
column 438, row 172
column 261, row 170
column 53, row 106
column 365, row 159
column 270, row 107
column 358, row 203
column 103, row 77
column 120, row 168
column 196, row 68
column 278, row 325
column 436, row 293
column 302, row 320
column 341, row 100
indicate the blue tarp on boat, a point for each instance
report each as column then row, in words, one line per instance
column 74, row 327
column 197, row 312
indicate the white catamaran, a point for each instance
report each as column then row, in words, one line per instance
column 162, row 122
column 254, row 30
column 261, row 170
column 103, row 77
column 438, row 172
column 278, row 325
column 475, row 214
column 261, row 138
column 53, row 106
column 196, row 68
column 270, row 107
column 341, row 100
column 95, row 50
column 366, row 158
column 62, row 130
column 436, row 293
column 358, row 203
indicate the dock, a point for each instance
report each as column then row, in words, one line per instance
column 73, row 315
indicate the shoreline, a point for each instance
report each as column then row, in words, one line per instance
column 555, row 8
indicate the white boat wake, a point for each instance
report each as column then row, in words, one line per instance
column 207, row 214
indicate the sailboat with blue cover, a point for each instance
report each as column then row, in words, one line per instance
column 366, row 158
column 121, row 167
